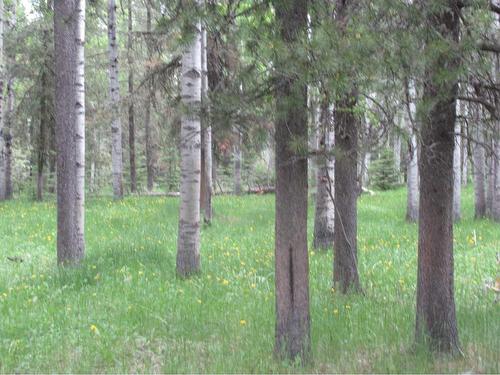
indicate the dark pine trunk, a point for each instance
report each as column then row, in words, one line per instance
column 292, row 267
column 345, row 259
column 435, row 318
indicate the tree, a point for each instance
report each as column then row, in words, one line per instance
column 292, row 268
column 2, row 81
column 188, row 244
column 435, row 311
column 479, row 168
column 149, row 95
column 457, row 176
column 69, row 39
column 114, row 93
column 237, row 162
column 412, row 178
column 324, row 212
column 9, row 118
column 345, row 259
column 131, row 125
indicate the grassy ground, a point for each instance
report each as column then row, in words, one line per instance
column 124, row 310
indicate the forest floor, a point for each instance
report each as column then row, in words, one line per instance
column 124, row 310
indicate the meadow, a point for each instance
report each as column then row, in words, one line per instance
column 124, row 310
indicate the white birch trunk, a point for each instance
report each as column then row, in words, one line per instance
column 188, row 245
column 479, row 169
column 207, row 132
column 457, row 173
column 324, row 219
column 114, row 88
column 412, row 202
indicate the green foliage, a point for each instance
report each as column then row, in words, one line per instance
column 123, row 310
column 382, row 171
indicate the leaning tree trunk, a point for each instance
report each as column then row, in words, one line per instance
column 292, row 332
column 206, row 173
column 479, row 168
column 114, row 93
column 435, row 311
column 188, row 245
column 457, row 176
column 131, row 125
column 69, row 36
column 412, row 178
column 324, row 213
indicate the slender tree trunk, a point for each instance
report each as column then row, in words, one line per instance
column 188, row 245
column 69, row 35
column 325, row 214
column 114, row 92
column 490, row 188
column 42, row 133
column 457, row 177
column 10, row 113
column 479, row 169
column 464, row 154
column 131, row 125
column 412, row 172
column 237, row 164
column 495, row 208
column 292, row 266
column 206, row 173
column 435, row 312
column 2, row 130
column 397, row 152
column 345, row 265
column 147, row 121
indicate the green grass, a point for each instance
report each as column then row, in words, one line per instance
column 124, row 310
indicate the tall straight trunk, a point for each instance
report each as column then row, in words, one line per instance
column 292, row 332
column 465, row 157
column 114, row 93
column 2, row 80
column 412, row 179
column 457, row 170
column 479, row 169
column 69, row 39
column 324, row 212
column 435, row 311
column 10, row 112
column 490, row 180
column 188, row 245
column 42, row 133
column 345, row 265
column 147, row 122
column 397, row 151
column 237, row 163
column 206, row 172
column 131, row 125
column 495, row 208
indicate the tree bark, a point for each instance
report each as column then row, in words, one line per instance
column 147, row 121
column 69, row 35
column 435, row 311
column 10, row 112
column 237, row 163
column 412, row 163
column 324, row 212
column 397, row 152
column 131, row 125
column 188, row 245
column 2, row 81
column 457, row 176
column 495, row 208
column 479, row 169
column 114, row 93
column 292, row 332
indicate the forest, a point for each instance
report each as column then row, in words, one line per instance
column 249, row 186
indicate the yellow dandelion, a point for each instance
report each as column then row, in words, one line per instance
column 243, row 322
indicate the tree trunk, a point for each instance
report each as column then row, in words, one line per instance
column 292, row 266
column 495, row 208
column 2, row 130
column 397, row 153
column 345, row 265
column 188, row 245
column 69, row 35
column 10, row 112
column 237, row 163
column 324, row 213
column 464, row 153
column 435, row 312
column 490, row 187
column 479, row 169
column 131, row 125
column 412, row 178
column 42, row 133
column 114, row 92
column 147, row 121
column 457, row 177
